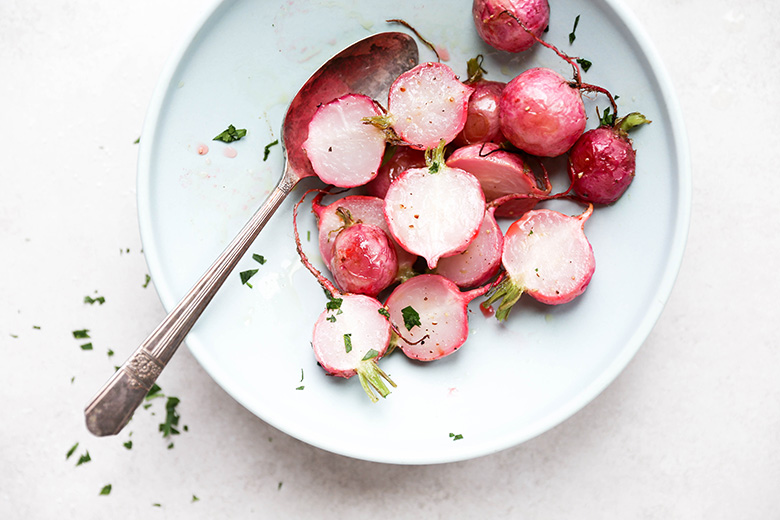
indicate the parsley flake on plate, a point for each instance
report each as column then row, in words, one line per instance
column 231, row 134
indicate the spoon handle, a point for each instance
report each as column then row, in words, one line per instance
column 114, row 404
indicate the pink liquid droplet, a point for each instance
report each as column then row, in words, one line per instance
column 203, row 149
column 230, row 152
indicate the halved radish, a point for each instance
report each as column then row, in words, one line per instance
column 344, row 150
column 431, row 314
column 481, row 261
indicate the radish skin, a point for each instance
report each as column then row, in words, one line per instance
column 504, row 32
column 481, row 261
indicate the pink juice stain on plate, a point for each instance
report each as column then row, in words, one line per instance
column 202, row 149
column 230, row 152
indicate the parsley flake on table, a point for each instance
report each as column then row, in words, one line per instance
column 81, row 334
column 260, row 259
column 195, row 498
column 71, row 451
column 91, row 301
column 86, row 346
column 231, row 134
column 128, row 445
column 456, row 436
column 146, row 282
column 585, row 64
column 84, row 459
column 171, row 418
column 411, row 317
column 106, row 490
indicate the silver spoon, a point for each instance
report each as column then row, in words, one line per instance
column 366, row 67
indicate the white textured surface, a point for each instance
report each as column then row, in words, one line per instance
column 689, row 430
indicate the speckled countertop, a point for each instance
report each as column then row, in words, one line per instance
column 690, row 429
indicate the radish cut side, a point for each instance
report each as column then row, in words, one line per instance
column 427, row 104
column 343, row 150
column 434, row 214
column 442, row 310
column 547, row 255
column 350, row 337
column 481, row 261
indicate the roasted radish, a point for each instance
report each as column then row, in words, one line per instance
column 434, row 211
column 343, row 150
column 510, row 25
column 481, row 261
column 430, row 305
column 547, row 255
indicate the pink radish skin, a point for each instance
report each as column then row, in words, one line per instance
column 428, row 104
column 481, row 261
column 342, row 149
column 482, row 122
column 503, row 32
column 502, row 173
column 363, row 209
column 352, row 333
column 364, row 260
column 402, row 158
column 541, row 113
column 602, row 163
column 434, row 211
column 443, row 313
column 547, row 255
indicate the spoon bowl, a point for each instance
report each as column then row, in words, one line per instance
column 366, row 67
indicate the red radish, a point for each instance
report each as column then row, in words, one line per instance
column 542, row 113
column 547, row 255
column 343, row 150
column 430, row 305
column 428, row 104
column 351, row 334
column 482, row 121
column 481, row 261
column 501, row 173
column 364, row 260
column 398, row 160
column 504, row 32
column 602, row 163
column 360, row 208
column 434, row 211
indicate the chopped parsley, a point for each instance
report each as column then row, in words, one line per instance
column 585, row 64
column 267, row 149
column 146, row 281
column 371, row 354
column 194, row 498
column 231, row 134
column 456, row 436
column 81, row 334
column 106, row 490
column 154, row 391
column 348, row 343
column 331, row 319
column 100, row 300
column 128, row 445
column 246, row 275
column 260, row 259
column 411, row 318
column 71, row 451
column 168, row 428
column 384, row 312
column 334, row 304
column 83, row 459
column 110, row 352
column 573, row 36
column 86, row 346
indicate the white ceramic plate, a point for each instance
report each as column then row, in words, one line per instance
column 511, row 381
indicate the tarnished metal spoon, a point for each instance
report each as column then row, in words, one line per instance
column 366, row 67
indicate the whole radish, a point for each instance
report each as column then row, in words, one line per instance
column 364, row 260
column 332, row 220
column 504, row 32
column 342, row 149
column 352, row 333
column 433, row 311
column 482, row 121
column 481, row 261
column 542, row 113
column 434, row 211
column 602, row 163
column 397, row 160
column 501, row 172
column 547, row 255
column 427, row 104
